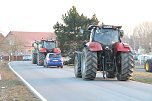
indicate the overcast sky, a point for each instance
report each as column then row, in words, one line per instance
column 41, row 15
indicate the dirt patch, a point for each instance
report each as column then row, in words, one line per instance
column 12, row 88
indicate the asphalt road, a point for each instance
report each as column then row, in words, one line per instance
column 56, row 84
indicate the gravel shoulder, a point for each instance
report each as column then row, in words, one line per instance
column 12, row 88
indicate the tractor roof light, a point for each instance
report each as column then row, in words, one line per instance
column 104, row 27
column 114, row 27
column 107, row 26
column 111, row 27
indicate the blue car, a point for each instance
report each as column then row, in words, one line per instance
column 53, row 59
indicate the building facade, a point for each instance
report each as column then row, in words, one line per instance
column 19, row 43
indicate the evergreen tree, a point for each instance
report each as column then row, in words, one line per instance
column 69, row 33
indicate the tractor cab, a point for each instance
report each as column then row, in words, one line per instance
column 105, row 34
column 48, row 44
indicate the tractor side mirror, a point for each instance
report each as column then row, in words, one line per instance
column 121, row 33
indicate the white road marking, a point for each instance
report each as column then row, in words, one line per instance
column 36, row 92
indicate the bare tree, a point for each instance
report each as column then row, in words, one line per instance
column 12, row 47
column 143, row 36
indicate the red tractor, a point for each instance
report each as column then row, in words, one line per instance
column 104, row 52
column 41, row 48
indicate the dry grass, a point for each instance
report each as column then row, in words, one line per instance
column 11, row 88
column 145, row 77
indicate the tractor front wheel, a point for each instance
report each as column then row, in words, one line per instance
column 40, row 59
column 77, row 66
column 89, row 64
column 34, row 58
column 125, row 64
column 148, row 65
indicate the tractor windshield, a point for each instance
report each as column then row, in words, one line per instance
column 106, row 36
column 49, row 44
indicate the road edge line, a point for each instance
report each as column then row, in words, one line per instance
column 28, row 85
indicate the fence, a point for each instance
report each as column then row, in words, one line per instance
column 12, row 58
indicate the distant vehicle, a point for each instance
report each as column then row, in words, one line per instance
column 135, row 55
column 53, row 59
column 41, row 48
column 148, row 65
column 143, row 58
column 27, row 58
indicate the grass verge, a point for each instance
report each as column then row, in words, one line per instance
column 144, row 77
column 12, row 88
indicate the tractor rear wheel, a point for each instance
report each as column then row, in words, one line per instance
column 148, row 65
column 89, row 65
column 34, row 58
column 40, row 59
column 125, row 64
column 77, row 66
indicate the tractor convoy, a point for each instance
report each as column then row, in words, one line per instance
column 104, row 52
column 42, row 48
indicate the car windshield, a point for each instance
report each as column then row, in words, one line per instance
column 106, row 36
column 49, row 44
column 54, row 55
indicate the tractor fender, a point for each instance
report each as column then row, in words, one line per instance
column 94, row 46
column 122, row 47
column 42, row 50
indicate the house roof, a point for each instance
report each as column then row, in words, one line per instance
column 30, row 37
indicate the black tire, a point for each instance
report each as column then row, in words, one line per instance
column 125, row 64
column 89, row 65
column 34, row 58
column 40, row 59
column 110, row 75
column 77, row 66
column 148, row 65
